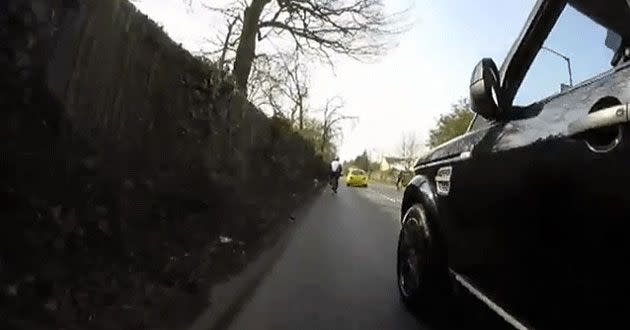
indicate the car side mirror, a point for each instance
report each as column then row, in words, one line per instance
column 484, row 89
column 613, row 40
column 615, row 43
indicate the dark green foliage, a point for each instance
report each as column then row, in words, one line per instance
column 363, row 162
column 451, row 124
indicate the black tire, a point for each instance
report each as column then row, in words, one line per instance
column 427, row 288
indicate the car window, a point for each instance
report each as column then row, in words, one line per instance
column 574, row 51
column 357, row 172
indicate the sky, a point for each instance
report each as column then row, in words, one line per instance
column 588, row 55
column 406, row 90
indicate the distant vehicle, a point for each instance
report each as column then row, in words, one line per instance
column 356, row 178
column 529, row 211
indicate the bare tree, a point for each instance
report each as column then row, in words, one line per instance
column 227, row 43
column 297, row 89
column 333, row 116
column 409, row 148
column 357, row 28
column 292, row 81
column 266, row 84
column 280, row 82
column 224, row 43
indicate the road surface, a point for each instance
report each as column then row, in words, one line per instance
column 338, row 269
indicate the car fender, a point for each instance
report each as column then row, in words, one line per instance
column 421, row 190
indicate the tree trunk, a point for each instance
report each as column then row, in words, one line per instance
column 299, row 95
column 301, row 114
column 246, row 49
column 324, row 138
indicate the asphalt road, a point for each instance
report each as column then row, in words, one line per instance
column 338, row 269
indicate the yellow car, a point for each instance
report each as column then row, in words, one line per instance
column 357, row 178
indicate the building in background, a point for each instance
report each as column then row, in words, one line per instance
column 394, row 163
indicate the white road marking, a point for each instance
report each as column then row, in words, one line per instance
column 388, row 204
column 388, row 198
column 496, row 308
column 393, row 200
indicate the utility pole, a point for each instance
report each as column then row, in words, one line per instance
column 564, row 57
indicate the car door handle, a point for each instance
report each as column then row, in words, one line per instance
column 606, row 117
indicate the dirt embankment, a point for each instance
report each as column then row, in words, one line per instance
column 133, row 176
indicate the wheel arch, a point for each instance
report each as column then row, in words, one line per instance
column 420, row 190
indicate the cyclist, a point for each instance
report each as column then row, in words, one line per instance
column 335, row 173
column 399, row 180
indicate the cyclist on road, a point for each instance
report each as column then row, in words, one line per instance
column 335, row 173
column 399, row 180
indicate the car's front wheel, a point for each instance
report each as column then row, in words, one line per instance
column 423, row 279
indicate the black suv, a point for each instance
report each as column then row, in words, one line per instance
column 530, row 209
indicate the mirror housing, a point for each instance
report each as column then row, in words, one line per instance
column 485, row 94
column 613, row 40
column 615, row 43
